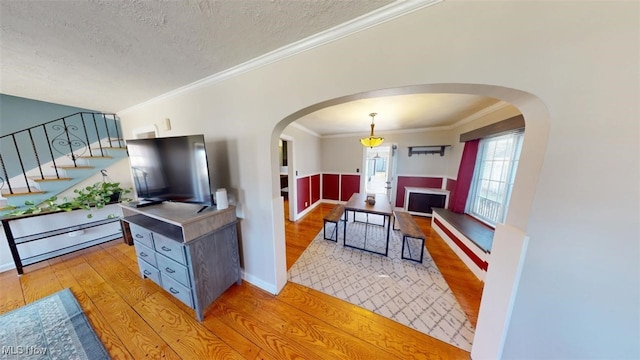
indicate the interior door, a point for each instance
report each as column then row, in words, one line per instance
column 380, row 170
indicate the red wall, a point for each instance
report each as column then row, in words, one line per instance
column 340, row 187
column 315, row 188
column 308, row 190
column 331, row 186
column 350, row 184
column 304, row 193
column 415, row 181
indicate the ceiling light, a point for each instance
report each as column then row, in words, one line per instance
column 372, row 140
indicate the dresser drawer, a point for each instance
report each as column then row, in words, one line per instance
column 141, row 235
column 173, row 269
column 177, row 290
column 145, row 253
column 169, row 248
column 149, row 271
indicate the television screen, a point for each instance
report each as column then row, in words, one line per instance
column 171, row 169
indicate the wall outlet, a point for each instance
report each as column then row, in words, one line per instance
column 306, row 203
column 358, row 170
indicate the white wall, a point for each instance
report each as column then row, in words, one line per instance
column 344, row 154
column 306, row 151
column 578, row 294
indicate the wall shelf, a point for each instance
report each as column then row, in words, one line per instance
column 427, row 149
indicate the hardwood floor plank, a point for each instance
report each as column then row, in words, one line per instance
column 236, row 340
column 122, row 256
column 298, row 326
column 107, row 335
column 135, row 318
column 373, row 329
column 134, row 332
column 38, row 284
column 183, row 333
column 259, row 333
column 129, row 285
column 11, row 296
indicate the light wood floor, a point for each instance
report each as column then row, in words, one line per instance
column 136, row 319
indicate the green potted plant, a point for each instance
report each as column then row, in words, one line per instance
column 98, row 196
column 93, row 196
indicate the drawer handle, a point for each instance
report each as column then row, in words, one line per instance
column 139, row 236
column 165, row 248
column 147, row 272
column 170, row 270
column 174, row 291
column 143, row 254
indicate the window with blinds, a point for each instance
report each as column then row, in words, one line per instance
column 493, row 177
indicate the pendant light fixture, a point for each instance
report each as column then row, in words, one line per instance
column 372, row 141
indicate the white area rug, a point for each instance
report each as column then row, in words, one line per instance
column 413, row 294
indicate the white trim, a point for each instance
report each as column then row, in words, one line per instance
column 309, row 175
column 305, row 129
column 500, row 289
column 421, row 190
column 374, row 18
column 6, row 267
column 389, row 132
column 475, row 116
column 422, row 175
column 279, row 249
column 307, row 210
column 331, row 201
column 259, row 283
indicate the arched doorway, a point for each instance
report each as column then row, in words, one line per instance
column 510, row 238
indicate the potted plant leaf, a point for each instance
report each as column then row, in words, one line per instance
column 95, row 196
column 98, row 196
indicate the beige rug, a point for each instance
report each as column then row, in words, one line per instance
column 413, row 294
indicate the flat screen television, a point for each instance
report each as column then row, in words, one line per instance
column 170, row 169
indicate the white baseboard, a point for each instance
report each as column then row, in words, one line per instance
column 270, row 288
column 7, row 266
column 307, row 210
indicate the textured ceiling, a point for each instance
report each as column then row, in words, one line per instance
column 110, row 55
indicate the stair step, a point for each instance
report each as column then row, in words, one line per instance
column 71, row 167
column 109, row 148
column 39, row 179
column 96, row 157
column 22, row 191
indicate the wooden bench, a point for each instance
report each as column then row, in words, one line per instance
column 334, row 216
column 409, row 229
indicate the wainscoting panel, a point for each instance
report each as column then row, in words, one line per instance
column 350, row 184
column 315, row 188
column 304, row 193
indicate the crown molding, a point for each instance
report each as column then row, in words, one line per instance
column 475, row 116
column 388, row 132
column 305, row 129
column 376, row 17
